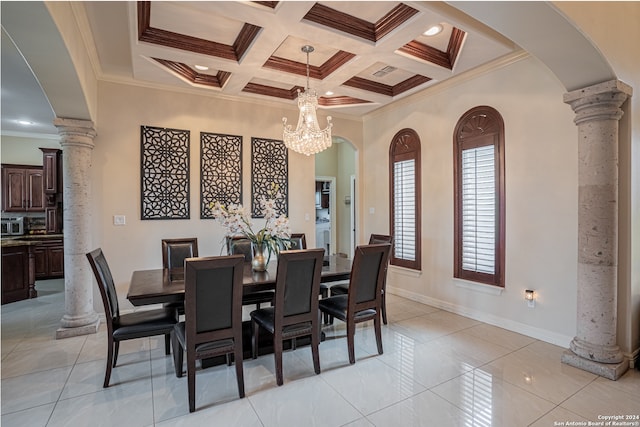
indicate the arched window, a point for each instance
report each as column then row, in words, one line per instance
column 405, row 202
column 479, row 203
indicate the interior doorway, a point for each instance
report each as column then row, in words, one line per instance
column 352, row 216
column 326, row 224
column 337, row 165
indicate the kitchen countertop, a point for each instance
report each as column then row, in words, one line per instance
column 27, row 239
column 9, row 243
column 34, row 237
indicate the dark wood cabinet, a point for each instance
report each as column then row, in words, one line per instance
column 51, row 166
column 52, row 189
column 18, row 273
column 49, row 259
column 53, row 220
column 322, row 195
column 35, row 195
column 22, row 188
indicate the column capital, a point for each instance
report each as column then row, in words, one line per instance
column 598, row 102
column 75, row 132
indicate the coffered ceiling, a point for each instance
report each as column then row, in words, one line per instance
column 367, row 54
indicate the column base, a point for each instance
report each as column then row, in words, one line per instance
column 611, row 371
column 77, row 331
column 596, row 352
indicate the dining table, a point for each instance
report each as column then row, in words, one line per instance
column 161, row 285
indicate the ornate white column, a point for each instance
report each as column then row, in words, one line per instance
column 597, row 109
column 77, row 143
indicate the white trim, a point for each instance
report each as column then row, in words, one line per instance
column 404, row 271
column 632, row 357
column 332, row 210
column 352, row 216
column 478, row 287
column 491, row 319
column 52, row 136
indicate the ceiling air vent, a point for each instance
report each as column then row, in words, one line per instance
column 384, row 71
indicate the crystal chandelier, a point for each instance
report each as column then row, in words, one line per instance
column 307, row 138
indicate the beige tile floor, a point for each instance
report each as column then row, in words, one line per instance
column 438, row 369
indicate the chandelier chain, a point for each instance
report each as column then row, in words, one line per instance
column 307, row 70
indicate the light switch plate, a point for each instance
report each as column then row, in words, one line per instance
column 119, row 220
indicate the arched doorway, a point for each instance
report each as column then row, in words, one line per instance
column 335, row 197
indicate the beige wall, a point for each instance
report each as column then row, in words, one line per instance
column 66, row 21
column 339, row 161
column 613, row 28
column 347, row 165
column 541, row 162
column 541, row 198
column 24, row 150
column 116, row 169
column 541, row 186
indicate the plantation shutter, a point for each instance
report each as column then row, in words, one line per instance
column 405, row 199
column 404, row 208
column 479, row 201
column 479, row 210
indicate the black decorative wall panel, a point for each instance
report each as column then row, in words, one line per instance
column 220, row 169
column 164, row 173
column 269, row 168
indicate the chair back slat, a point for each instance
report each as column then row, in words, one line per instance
column 175, row 251
column 178, row 253
column 214, row 286
column 380, row 238
column 213, row 297
column 298, row 284
column 367, row 279
column 298, row 241
column 102, row 272
column 239, row 245
column 297, row 293
column 367, row 276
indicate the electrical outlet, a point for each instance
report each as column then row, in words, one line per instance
column 119, row 220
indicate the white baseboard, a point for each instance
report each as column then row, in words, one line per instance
column 489, row 318
column 633, row 358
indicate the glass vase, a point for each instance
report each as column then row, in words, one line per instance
column 260, row 256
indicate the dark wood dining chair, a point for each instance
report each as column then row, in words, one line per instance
column 241, row 245
column 121, row 327
column 174, row 252
column 295, row 310
column 298, row 241
column 363, row 302
column 343, row 288
column 213, row 317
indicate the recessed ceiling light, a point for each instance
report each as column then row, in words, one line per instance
column 202, row 67
column 436, row 29
column 328, row 93
column 24, row 122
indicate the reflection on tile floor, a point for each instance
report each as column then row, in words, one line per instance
column 438, row 369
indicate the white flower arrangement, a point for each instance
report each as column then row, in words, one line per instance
column 236, row 219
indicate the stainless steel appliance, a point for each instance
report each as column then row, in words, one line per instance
column 12, row 226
